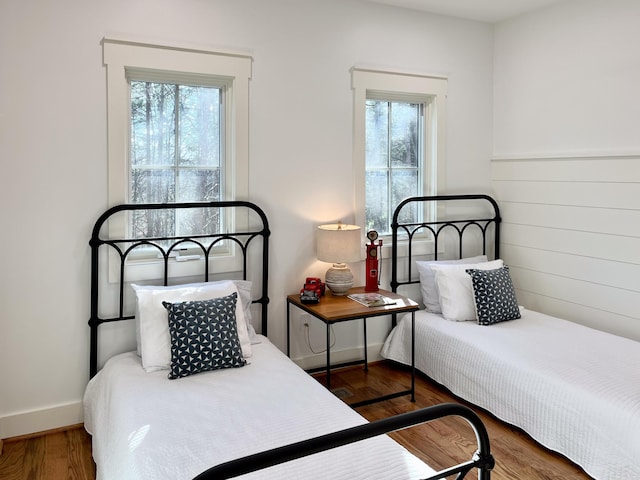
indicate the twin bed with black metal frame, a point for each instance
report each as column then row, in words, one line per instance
column 574, row 389
column 205, row 396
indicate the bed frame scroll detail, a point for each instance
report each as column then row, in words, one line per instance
column 165, row 245
column 437, row 228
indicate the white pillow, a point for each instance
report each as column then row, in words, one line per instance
column 430, row 296
column 244, row 295
column 456, row 289
column 153, row 319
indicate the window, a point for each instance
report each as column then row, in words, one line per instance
column 394, row 158
column 178, row 123
column 399, row 126
column 176, row 145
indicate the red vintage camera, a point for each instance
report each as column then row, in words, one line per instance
column 312, row 290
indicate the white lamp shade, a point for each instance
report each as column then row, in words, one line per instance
column 339, row 243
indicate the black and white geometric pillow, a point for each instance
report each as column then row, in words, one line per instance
column 204, row 336
column 495, row 297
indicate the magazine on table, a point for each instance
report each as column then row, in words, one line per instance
column 372, row 299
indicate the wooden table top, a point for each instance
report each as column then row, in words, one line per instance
column 335, row 308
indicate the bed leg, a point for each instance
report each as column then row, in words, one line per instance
column 486, row 463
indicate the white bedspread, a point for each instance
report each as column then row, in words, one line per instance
column 145, row 426
column 574, row 389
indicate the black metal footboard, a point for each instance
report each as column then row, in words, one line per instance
column 482, row 460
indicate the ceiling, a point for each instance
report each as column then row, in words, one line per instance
column 490, row 11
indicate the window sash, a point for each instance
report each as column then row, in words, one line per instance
column 382, row 163
column 164, row 175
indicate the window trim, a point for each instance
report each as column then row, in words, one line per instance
column 393, row 85
column 124, row 58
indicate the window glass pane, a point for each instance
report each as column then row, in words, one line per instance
column 152, row 223
column 195, row 222
column 377, row 203
column 393, row 159
column 198, row 185
column 152, row 186
column 404, row 134
column 165, row 119
column 199, row 126
column 377, row 133
column 404, row 183
column 152, row 124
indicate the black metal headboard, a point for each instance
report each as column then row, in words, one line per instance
column 437, row 226
column 167, row 246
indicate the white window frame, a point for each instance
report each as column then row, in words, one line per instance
column 125, row 58
column 431, row 91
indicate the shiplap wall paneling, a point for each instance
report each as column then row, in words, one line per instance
column 599, row 319
column 575, row 169
column 571, row 236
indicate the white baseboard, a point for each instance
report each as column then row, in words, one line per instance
column 34, row 421
column 340, row 356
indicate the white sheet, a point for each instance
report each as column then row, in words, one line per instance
column 574, row 389
column 145, row 426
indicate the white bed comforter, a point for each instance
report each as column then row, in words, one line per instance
column 145, row 426
column 574, row 389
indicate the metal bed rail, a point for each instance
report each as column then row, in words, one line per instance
column 482, row 460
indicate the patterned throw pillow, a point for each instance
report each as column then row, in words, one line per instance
column 495, row 296
column 204, row 336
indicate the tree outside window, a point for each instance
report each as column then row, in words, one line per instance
column 394, row 160
column 175, row 155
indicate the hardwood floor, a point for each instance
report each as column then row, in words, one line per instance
column 58, row 455
column 450, row 441
column 66, row 455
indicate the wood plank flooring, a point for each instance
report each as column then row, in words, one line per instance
column 66, row 455
column 449, row 441
column 58, row 455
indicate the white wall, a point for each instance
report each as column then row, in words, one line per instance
column 53, row 152
column 566, row 168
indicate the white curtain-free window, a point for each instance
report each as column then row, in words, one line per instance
column 399, row 146
column 182, row 164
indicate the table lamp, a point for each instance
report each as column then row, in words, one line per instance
column 339, row 244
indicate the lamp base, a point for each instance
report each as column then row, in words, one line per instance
column 339, row 279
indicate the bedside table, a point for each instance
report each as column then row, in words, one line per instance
column 339, row 308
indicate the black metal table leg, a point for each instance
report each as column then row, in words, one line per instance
column 288, row 329
column 328, row 356
column 366, row 358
